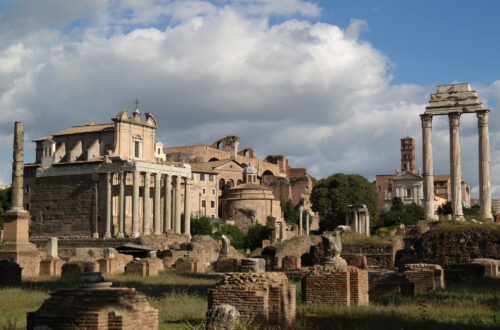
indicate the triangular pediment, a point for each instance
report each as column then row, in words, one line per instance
column 406, row 175
column 229, row 165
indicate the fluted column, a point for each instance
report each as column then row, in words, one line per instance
column 484, row 165
column 147, row 205
column 121, row 211
column 109, row 180
column 355, row 219
column 455, row 165
column 135, row 204
column 157, row 203
column 428, row 167
column 187, row 206
column 168, row 203
column 178, row 204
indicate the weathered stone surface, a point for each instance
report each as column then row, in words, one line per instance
column 389, row 284
column 421, row 281
column 222, row 317
column 226, row 244
column 253, row 265
column 490, row 266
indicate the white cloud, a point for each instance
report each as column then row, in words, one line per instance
column 311, row 91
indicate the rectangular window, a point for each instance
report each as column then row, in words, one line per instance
column 136, row 149
column 408, row 192
column 212, row 204
column 203, row 191
column 202, row 177
column 211, row 178
column 203, row 204
column 213, row 191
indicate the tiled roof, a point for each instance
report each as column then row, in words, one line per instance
column 86, row 129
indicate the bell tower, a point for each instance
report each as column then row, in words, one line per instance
column 408, row 154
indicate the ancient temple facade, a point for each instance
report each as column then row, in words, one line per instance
column 107, row 180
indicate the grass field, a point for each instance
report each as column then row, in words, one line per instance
column 182, row 302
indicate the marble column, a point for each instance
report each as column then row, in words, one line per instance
column 187, row 206
column 18, row 169
column 415, row 194
column 307, row 223
column 428, row 167
column 355, row 220
column 109, row 206
column 484, row 166
column 455, row 165
column 157, row 203
column 135, row 204
column 168, row 204
column 147, row 205
column 178, row 204
column 121, row 206
column 301, row 208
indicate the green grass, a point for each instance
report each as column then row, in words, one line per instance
column 182, row 302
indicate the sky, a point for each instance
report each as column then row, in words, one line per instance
column 331, row 84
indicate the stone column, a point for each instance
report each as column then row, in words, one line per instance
column 178, row 204
column 428, row 167
column 484, row 166
column 307, row 223
column 109, row 206
column 121, row 206
column 455, row 166
column 168, row 203
column 187, row 207
column 157, row 203
column 135, row 204
column 18, row 169
column 301, row 208
column 355, row 220
column 415, row 194
column 147, row 205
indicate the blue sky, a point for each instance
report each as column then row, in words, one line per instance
column 333, row 85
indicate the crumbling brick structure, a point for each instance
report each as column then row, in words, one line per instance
column 227, row 265
column 266, row 297
column 144, row 267
column 51, row 267
column 389, row 284
column 290, row 263
column 115, row 265
column 189, row 265
column 71, row 270
column 95, row 306
column 490, row 266
column 329, row 285
column 431, row 277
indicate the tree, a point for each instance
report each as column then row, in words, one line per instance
column 400, row 213
column 331, row 196
column 290, row 214
column 256, row 234
column 201, row 226
column 444, row 209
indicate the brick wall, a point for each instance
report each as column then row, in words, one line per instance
column 389, row 284
column 344, row 286
column 29, row 261
column 438, row 273
column 115, row 265
column 144, row 267
column 290, row 263
column 71, row 270
column 227, row 265
column 267, row 297
column 422, row 279
column 51, row 267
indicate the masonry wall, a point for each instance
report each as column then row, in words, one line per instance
column 423, row 280
column 327, row 289
column 63, row 205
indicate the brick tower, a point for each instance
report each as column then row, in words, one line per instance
column 408, row 154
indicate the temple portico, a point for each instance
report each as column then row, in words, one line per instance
column 453, row 101
column 151, row 210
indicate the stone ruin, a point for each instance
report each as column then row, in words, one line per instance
column 144, row 267
column 266, row 297
column 222, row 317
column 490, row 266
column 10, row 273
column 94, row 304
column 226, row 263
column 425, row 277
column 334, row 283
column 290, row 263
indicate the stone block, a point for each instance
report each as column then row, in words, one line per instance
column 253, row 265
column 438, row 275
column 463, row 87
column 422, row 279
column 227, row 265
column 52, row 248
column 490, row 266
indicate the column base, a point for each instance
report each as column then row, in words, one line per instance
column 135, row 235
column 107, row 235
column 95, row 235
column 157, row 233
column 146, row 232
column 120, row 235
column 458, row 217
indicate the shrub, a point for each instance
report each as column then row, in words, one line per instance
column 255, row 236
column 201, row 226
column 235, row 235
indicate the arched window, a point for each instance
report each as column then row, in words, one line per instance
column 222, row 184
column 230, row 183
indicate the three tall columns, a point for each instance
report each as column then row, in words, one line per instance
column 455, row 165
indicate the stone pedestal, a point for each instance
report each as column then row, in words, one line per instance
column 253, row 265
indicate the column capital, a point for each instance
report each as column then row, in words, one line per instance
column 454, row 118
column 426, row 120
column 482, row 117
